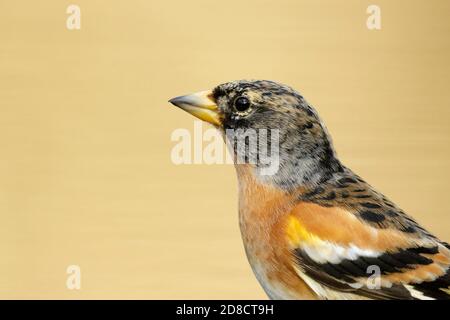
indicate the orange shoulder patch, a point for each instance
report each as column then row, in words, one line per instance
column 342, row 227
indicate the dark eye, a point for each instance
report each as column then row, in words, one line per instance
column 242, row 104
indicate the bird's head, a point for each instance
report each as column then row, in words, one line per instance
column 260, row 104
column 248, row 104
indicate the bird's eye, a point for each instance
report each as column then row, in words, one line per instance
column 242, row 104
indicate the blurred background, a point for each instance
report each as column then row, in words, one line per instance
column 86, row 176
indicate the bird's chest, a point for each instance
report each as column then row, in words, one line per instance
column 261, row 213
column 262, row 218
column 264, row 252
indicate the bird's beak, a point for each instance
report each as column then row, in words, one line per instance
column 200, row 105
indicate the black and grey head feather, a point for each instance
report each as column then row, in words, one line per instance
column 306, row 152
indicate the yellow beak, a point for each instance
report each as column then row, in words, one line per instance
column 200, row 105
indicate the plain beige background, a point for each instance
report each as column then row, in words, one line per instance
column 85, row 170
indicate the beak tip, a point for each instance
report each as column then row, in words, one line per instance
column 173, row 101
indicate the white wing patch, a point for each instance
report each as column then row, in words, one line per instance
column 417, row 294
column 324, row 251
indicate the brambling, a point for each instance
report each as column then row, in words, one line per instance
column 314, row 229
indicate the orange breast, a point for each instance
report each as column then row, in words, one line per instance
column 263, row 215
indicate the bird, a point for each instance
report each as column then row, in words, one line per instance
column 315, row 230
